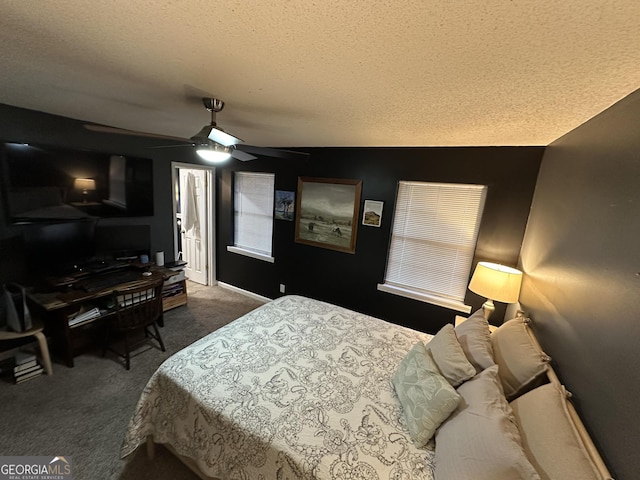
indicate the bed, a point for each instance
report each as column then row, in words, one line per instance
column 302, row 389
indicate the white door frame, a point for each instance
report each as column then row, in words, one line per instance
column 210, row 201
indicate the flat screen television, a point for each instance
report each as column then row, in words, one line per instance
column 45, row 184
column 122, row 242
column 58, row 248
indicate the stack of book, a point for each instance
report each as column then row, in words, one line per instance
column 174, row 285
column 26, row 367
column 169, row 290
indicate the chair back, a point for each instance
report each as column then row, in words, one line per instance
column 138, row 306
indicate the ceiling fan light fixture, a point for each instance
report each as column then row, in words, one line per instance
column 214, row 153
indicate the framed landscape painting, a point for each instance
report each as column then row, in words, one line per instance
column 327, row 212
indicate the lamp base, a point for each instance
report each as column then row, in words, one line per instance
column 488, row 307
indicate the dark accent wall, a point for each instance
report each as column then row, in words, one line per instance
column 350, row 280
column 28, row 126
column 345, row 279
column 581, row 259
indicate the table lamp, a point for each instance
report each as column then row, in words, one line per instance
column 84, row 184
column 495, row 282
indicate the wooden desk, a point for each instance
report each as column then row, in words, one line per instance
column 57, row 306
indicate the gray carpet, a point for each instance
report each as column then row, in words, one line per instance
column 83, row 412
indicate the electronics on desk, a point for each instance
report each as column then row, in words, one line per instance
column 106, row 280
column 63, row 248
column 180, row 276
column 102, row 266
column 84, row 273
column 177, row 266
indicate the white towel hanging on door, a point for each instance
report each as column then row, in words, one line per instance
column 191, row 219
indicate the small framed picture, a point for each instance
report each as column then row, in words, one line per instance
column 285, row 205
column 372, row 216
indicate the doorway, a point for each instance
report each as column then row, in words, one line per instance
column 193, row 208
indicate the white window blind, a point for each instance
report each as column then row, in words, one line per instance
column 434, row 235
column 253, row 211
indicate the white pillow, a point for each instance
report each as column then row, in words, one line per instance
column 549, row 435
column 449, row 356
column 523, row 365
column 480, row 440
column 475, row 339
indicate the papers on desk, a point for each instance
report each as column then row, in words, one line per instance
column 81, row 316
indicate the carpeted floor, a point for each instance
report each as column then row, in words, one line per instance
column 82, row 412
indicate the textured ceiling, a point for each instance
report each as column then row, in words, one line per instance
column 325, row 73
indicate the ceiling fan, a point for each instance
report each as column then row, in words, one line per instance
column 211, row 143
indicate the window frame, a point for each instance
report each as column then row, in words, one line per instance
column 452, row 299
column 245, row 250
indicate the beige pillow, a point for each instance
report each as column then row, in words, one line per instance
column 475, row 339
column 426, row 397
column 549, row 436
column 480, row 440
column 522, row 364
column 449, row 356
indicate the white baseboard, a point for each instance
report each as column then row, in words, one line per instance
column 255, row 296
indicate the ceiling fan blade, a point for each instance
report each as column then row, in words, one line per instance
column 272, row 152
column 218, row 135
column 122, row 131
column 176, row 145
column 243, row 156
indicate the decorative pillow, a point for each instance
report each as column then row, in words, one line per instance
column 549, row 436
column 475, row 339
column 480, row 440
column 426, row 397
column 449, row 356
column 522, row 364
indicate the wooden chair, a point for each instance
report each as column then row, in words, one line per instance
column 136, row 310
column 35, row 331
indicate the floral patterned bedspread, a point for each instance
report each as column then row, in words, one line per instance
column 296, row 389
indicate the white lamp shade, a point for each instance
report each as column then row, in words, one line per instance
column 84, row 184
column 496, row 282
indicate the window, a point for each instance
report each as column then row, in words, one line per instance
column 253, row 215
column 434, row 234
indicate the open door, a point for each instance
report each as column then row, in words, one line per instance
column 194, row 213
